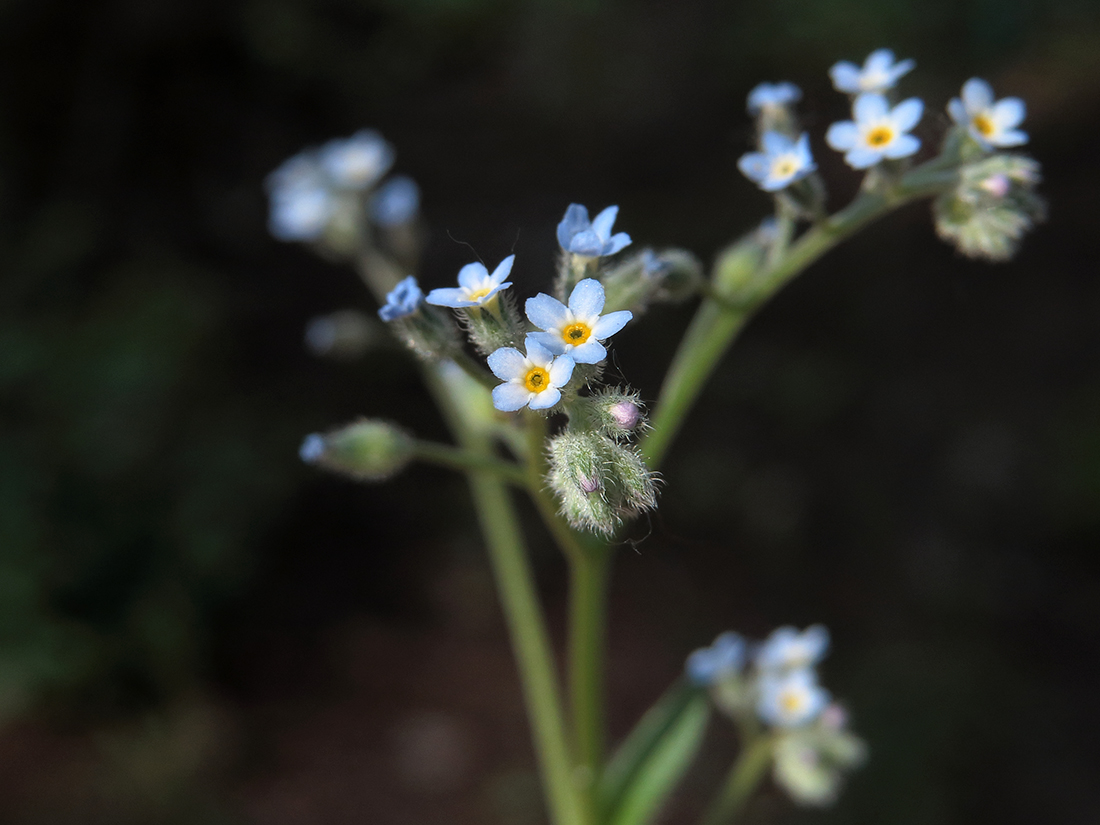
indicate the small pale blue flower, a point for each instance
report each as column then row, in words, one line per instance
column 787, row 649
column 313, row 447
column 792, row 699
column 476, row 287
column 403, row 300
column 782, row 162
column 878, row 74
column 357, row 162
column 725, row 657
column 877, row 132
column 533, row 380
column 396, row 202
column 301, row 201
column 772, row 96
column 991, row 123
column 577, row 329
column 590, row 239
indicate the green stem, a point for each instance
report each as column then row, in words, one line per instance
column 741, row 781
column 716, row 324
column 456, row 458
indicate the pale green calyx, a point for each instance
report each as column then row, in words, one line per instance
column 368, row 450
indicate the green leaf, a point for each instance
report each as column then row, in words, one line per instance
column 649, row 764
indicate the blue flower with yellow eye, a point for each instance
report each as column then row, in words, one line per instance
column 577, row 329
column 782, row 162
column 877, row 131
column 476, row 287
column 533, row 380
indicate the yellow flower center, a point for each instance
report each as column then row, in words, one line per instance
column 536, row 380
column 784, row 167
column 576, row 333
column 791, row 702
column 984, row 124
column 478, row 294
column 880, row 136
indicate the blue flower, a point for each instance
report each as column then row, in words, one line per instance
column 403, row 300
column 533, row 380
column 476, row 287
column 357, row 162
column 576, row 329
column 791, row 699
column 991, row 123
column 302, row 203
column 396, row 202
column 787, row 649
column 771, row 96
column 725, row 657
column 878, row 131
column 590, row 239
column 313, row 447
column 782, row 162
column 878, row 74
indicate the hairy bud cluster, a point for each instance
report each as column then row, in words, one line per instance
column 992, row 208
column 367, row 450
column 614, row 412
column 599, row 483
column 668, row 276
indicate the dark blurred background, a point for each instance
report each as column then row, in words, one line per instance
column 905, row 445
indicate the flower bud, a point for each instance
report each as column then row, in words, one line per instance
column 613, row 411
column 668, row 276
column 368, row 450
column 738, row 268
column 599, row 483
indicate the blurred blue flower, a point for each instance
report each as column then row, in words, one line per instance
column 313, row 447
column 357, row 162
column 725, row 657
column 791, row 699
column 782, row 162
column 404, row 299
column 787, row 649
column 396, row 202
column 878, row 74
column 772, row 95
column 590, row 239
column 877, row 132
column 301, row 202
column 991, row 123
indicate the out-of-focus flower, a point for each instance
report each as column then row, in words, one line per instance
column 772, row 96
column 792, row 699
column 788, row 649
column 725, row 657
column 782, row 162
column 404, row 299
column 991, row 123
column 878, row 74
column 396, row 202
column 357, row 162
column 877, row 132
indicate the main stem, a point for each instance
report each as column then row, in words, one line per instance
column 740, row 782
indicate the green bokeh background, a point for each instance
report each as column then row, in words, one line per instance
column 905, row 445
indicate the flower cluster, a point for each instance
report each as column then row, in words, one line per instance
column 775, row 683
column 326, row 194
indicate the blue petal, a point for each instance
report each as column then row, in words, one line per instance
column 1009, row 112
column 842, row 136
column 590, row 352
column 603, row 222
column 587, row 298
column 550, row 340
column 449, row 297
column 754, row 166
column 510, row 397
column 902, row 147
column 957, row 111
column 776, row 143
column 502, row 270
column 862, row 158
column 546, row 399
column 907, row 114
column 977, row 95
column 619, row 241
column 845, row 77
column 575, row 220
column 611, row 323
column 1013, row 137
column 878, row 61
column 537, row 354
column 561, row 370
column 869, row 107
column 586, row 243
column 472, row 276
column 545, row 311
column 507, row 363
column 902, row 68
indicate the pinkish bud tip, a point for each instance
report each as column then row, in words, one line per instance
column 626, row 414
column 589, row 484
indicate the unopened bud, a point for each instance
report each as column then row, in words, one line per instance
column 367, row 450
column 626, row 414
column 616, row 412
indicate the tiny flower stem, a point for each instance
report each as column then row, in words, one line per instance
column 716, row 324
column 456, row 458
column 741, row 781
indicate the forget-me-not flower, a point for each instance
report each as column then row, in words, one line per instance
column 590, row 239
column 576, row 329
column 772, row 96
column 396, row 202
column 404, row 299
column 878, row 131
column 301, row 201
column 787, row 649
column 878, row 74
column 533, row 380
column 476, row 287
column 791, row 699
column 782, row 162
column 991, row 123
column 725, row 657
column 357, row 162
